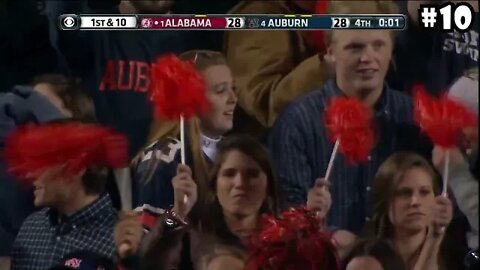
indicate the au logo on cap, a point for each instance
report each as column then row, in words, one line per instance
column 74, row 263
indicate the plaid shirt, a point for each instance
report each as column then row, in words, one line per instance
column 45, row 238
column 301, row 149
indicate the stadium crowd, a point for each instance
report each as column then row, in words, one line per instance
column 257, row 159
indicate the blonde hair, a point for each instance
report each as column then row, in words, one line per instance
column 360, row 7
column 203, row 59
column 160, row 128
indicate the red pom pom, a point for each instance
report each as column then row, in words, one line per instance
column 293, row 241
column 32, row 149
column 177, row 89
column 348, row 120
column 442, row 119
column 317, row 37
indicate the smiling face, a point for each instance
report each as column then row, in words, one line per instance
column 413, row 200
column 241, row 185
column 361, row 58
column 51, row 189
column 222, row 98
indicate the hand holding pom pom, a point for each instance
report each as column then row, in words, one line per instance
column 443, row 120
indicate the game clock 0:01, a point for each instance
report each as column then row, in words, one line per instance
column 389, row 22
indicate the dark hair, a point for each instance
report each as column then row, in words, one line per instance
column 71, row 93
column 385, row 183
column 215, row 223
column 255, row 150
column 379, row 249
column 94, row 180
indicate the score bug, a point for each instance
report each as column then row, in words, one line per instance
column 341, row 22
column 235, row 22
column 389, row 23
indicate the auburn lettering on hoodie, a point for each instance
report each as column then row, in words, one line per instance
column 121, row 75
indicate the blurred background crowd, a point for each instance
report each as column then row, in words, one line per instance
column 262, row 147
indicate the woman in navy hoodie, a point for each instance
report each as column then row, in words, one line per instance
column 51, row 97
column 157, row 164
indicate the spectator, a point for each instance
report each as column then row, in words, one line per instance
column 115, row 66
column 273, row 69
column 374, row 254
column 434, row 57
column 299, row 141
column 76, row 213
column 409, row 212
column 51, row 97
column 158, row 163
column 66, row 94
column 462, row 180
column 465, row 90
column 242, row 187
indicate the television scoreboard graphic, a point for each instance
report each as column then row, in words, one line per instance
column 231, row 22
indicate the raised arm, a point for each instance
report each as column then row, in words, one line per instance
column 430, row 257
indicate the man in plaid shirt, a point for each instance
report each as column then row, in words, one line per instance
column 78, row 216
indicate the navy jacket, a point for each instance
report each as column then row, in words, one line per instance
column 115, row 68
column 301, row 150
column 153, row 173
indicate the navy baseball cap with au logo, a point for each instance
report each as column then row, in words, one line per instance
column 85, row 260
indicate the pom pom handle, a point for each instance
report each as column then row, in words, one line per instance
column 446, row 172
column 332, row 159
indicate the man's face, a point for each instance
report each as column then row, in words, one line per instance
column 152, row 6
column 361, row 58
column 52, row 189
